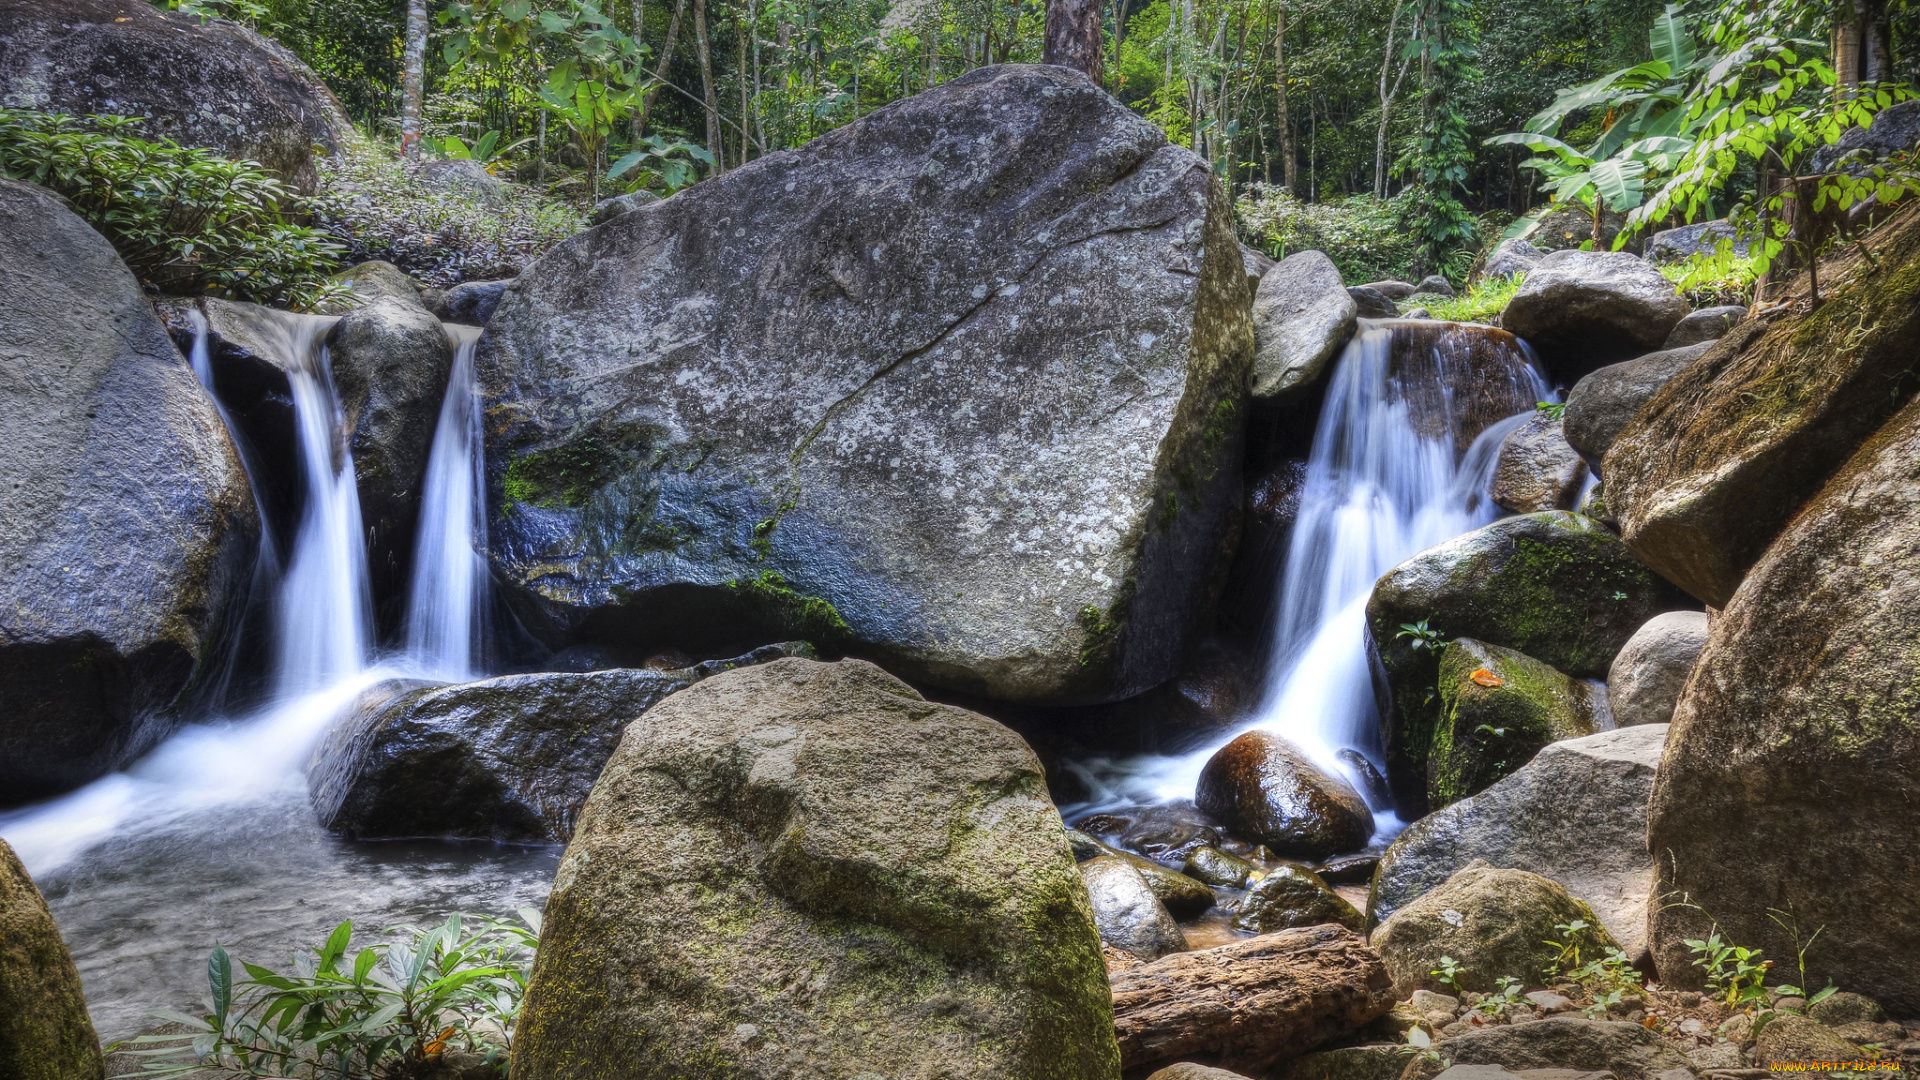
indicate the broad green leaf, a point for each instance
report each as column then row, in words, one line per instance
column 220, row 983
column 1670, row 41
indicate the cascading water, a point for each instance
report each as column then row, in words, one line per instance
column 1386, row 479
column 210, row 837
column 445, row 602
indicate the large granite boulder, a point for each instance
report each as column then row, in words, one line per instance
column 1644, row 684
column 1555, row 586
column 214, row 84
column 1371, row 303
column 810, row 859
column 1795, row 750
column 1302, row 316
column 1569, row 227
column 45, row 1033
column 509, row 759
column 1456, row 380
column 126, row 529
column 1493, row 922
column 959, row 385
column 1537, row 469
column 1603, row 403
column 1576, row 813
column 1583, row 309
column 1129, row 916
column 1715, row 465
column 1498, row 708
column 1268, row 792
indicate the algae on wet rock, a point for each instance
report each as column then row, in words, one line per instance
column 1293, row 896
column 1498, row 709
column 45, row 1033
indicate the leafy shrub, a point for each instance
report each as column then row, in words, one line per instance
column 376, row 206
column 391, row 1013
column 1482, row 302
column 186, row 220
column 1364, row 236
column 1717, row 277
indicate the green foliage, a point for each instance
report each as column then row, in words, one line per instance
column 1505, row 995
column 244, row 11
column 1731, row 970
column 1443, row 154
column 659, row 165
column 487, row 148
column 1552, row 410
column 185, row 220
column 389, row 1012
column 1364, row 236
column 1717, row 277
column 1421, row 636
column 1480, row 302
column 1448, row 972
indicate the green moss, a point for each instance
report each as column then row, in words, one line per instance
column 1486, row 733
column 810, row 615
column 762, row 542
column 566, row 475
column 1100, row 629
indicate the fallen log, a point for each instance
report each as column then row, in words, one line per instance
column 1249, row 1004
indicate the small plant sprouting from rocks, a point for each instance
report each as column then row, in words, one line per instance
column 1420, row 1045
column 1552, row 410
column 1733, row 971
column 1449, row 973
column 1502, row 998
column 1422, row 636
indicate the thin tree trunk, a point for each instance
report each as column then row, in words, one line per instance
column 414, row 79
column 740, row 73
column 660, row 72
column 700, row 45
column 1073, row 36
column 1386, row 105
column 1876, row 49
column 1289, row 167
column 639, row 28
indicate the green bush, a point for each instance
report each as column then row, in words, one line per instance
column 390, row 1013
column 1364, row 236
column 1481, row 302
column 375, row 205
column 186, row 220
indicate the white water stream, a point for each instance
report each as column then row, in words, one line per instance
column 445, row 605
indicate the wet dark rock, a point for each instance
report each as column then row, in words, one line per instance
column 217, row 85
column 823, row 821
column 1372, row 784
column 1266, row 526
column 1644, row 684
column 511, row 758
column 1706, row 324
column 1347, row 870
column 1602, row 404
column 1798, row 716
column 1085, row 846
column 1129, row 916
column 45, row 1033
column 1492, row 922
column 1459, row 379
column 126, row 530
column 1292, row 896
column 1371, row 303
column 1302, row 318
column 1538, row 469
column 471, row 303
column 1170, row 831
column 1498, row 708
column 1215, row 867
column 1185, row 897
column 1576, row 814
column 834, row 393
column 1266, row 790
column 1586, row 309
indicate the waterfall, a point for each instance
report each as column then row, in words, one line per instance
column 1387, row 478
column 447, row 594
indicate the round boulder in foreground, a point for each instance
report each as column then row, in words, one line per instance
column 1269, row 792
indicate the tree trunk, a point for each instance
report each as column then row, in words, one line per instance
column 1876, row 47
column 639, row 27
column 660, row 73
column 1250, row 1003
column 1386, row 105
column 1289, row 168
column 714, row 144
column 1073, row 36
column 413, row 81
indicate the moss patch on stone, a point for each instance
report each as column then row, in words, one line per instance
column 809, row 615
column 1486, row 732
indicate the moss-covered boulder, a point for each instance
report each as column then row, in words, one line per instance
column 806, row 862
column 45, row 1033
column 1492, row 922
column 1715, row 465
column 1795, row 748
column 1498, row 708
column 1268, row 791
column 1292, row 896
column 1555, row 586
column 960, row 385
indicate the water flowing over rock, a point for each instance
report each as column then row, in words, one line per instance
column 1268, row 792
column 1792, row 776
column 1249, row 1004
column 1603, row 403
column 1583, row 309
column 217, row 85
column 960, row 384
column 1474, row 377
column 1538, row 470
column 1498, row 708
column 1130, row 917
column 1576, row 814
column 126, row 528
column 1493, row 922
column 1555, row 586
column 45, row 1033
column 1714, row 466
column 810, row 858
column 1302, row 316
column 1644, row 684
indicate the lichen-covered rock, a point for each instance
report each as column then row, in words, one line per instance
column 45, row 1033
column 1493, row 922
column 1571, row 1043
column 1129, row 916
column 1583, row 309
column 1706, row 324
column 1537, row 469
column 1511, row 257
column 960, row 384
column 1699, row 238
column 1292, row 896
column 212, row 84
column 126, row 529
column 1603, row 403
column 1799, row 712
column 1576, row 814
column 810, row 858
column 1731, row 449
column 1302, row 316
column 1645, row 681
column 1498, row 708
column 1269, row 792
column 1555, row 586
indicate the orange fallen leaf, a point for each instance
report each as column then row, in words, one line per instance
column 439, row 1046
column 1486, row 678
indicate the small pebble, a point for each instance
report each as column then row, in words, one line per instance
column 1636, row 1016
column 1690, row 998
column 1548, row 1001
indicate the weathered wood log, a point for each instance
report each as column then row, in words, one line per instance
column 1247, row 1005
